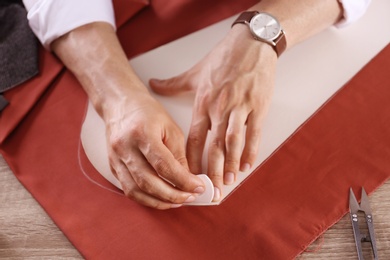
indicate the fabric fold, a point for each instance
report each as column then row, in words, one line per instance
column 124, row 10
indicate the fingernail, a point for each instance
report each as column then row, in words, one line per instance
column 217, row 194
column 190, row 199
column 199, row 190
column 173, row 206
column 229, row 178
column 245, row 167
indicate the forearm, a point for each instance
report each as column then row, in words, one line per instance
column 94, row 55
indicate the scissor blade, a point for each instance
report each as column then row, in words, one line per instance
column 365, row 206
column 353, row 204
column 365, row 203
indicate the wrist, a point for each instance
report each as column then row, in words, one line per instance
column 94, row 55
column 116, row 89
column 240, row 38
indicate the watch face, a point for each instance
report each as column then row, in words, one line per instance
column 265, row 26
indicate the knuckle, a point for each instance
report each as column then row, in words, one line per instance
column 129, row 191
column 172, row 198
column 223, row 100
column 116, row 142
column 156, row 204
column 231, row 163
column 120, row 140
column 255, row 128
column 232, row 137
column 194, row 139
column 187, row 184
column 136, row 131
column 203, row 99
column 181, row 159
column 251, row 153
column 256, row 132
column 195, row 167
column 143, row 183
column 217, row 143
column 152, row 204
column 160, row 205
column 161, row 166
column 129, row 194
column 215, row 175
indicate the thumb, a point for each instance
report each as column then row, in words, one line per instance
column 169, row 87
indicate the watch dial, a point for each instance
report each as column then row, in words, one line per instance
column 265, row 26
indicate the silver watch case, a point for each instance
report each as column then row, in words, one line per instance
column 253, row 27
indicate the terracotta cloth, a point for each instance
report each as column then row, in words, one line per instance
column 293, row 197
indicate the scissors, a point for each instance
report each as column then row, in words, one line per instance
column 364, row 206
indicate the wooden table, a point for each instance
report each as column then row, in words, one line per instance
column 26, row 231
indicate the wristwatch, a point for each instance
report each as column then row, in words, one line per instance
column 264, row 27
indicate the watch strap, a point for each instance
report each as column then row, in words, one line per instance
column 280, row 43
column 245, row 17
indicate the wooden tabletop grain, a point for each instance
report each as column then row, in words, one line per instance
column 27, row 232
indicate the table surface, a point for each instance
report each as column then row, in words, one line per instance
column 26, row 231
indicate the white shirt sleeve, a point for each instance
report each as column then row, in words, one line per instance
column 50, row 19
column 353, row 10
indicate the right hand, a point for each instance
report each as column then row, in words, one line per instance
column 147, row 153
column 146, row 148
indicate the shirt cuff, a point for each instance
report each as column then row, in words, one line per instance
column 352, row 11
column 50, row 19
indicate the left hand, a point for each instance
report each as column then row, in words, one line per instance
column 233, row 85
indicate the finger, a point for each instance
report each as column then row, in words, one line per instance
column 166, row 166
column 140, row 180
column 149, row 201
column 170, row 86
column 132, row 191
column 216, row 154
column 234, row 143
column 252, row 141
column 174, row 141
column 196, row 141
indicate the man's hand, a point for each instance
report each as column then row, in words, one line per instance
column 146, row 148
column 233, row 86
